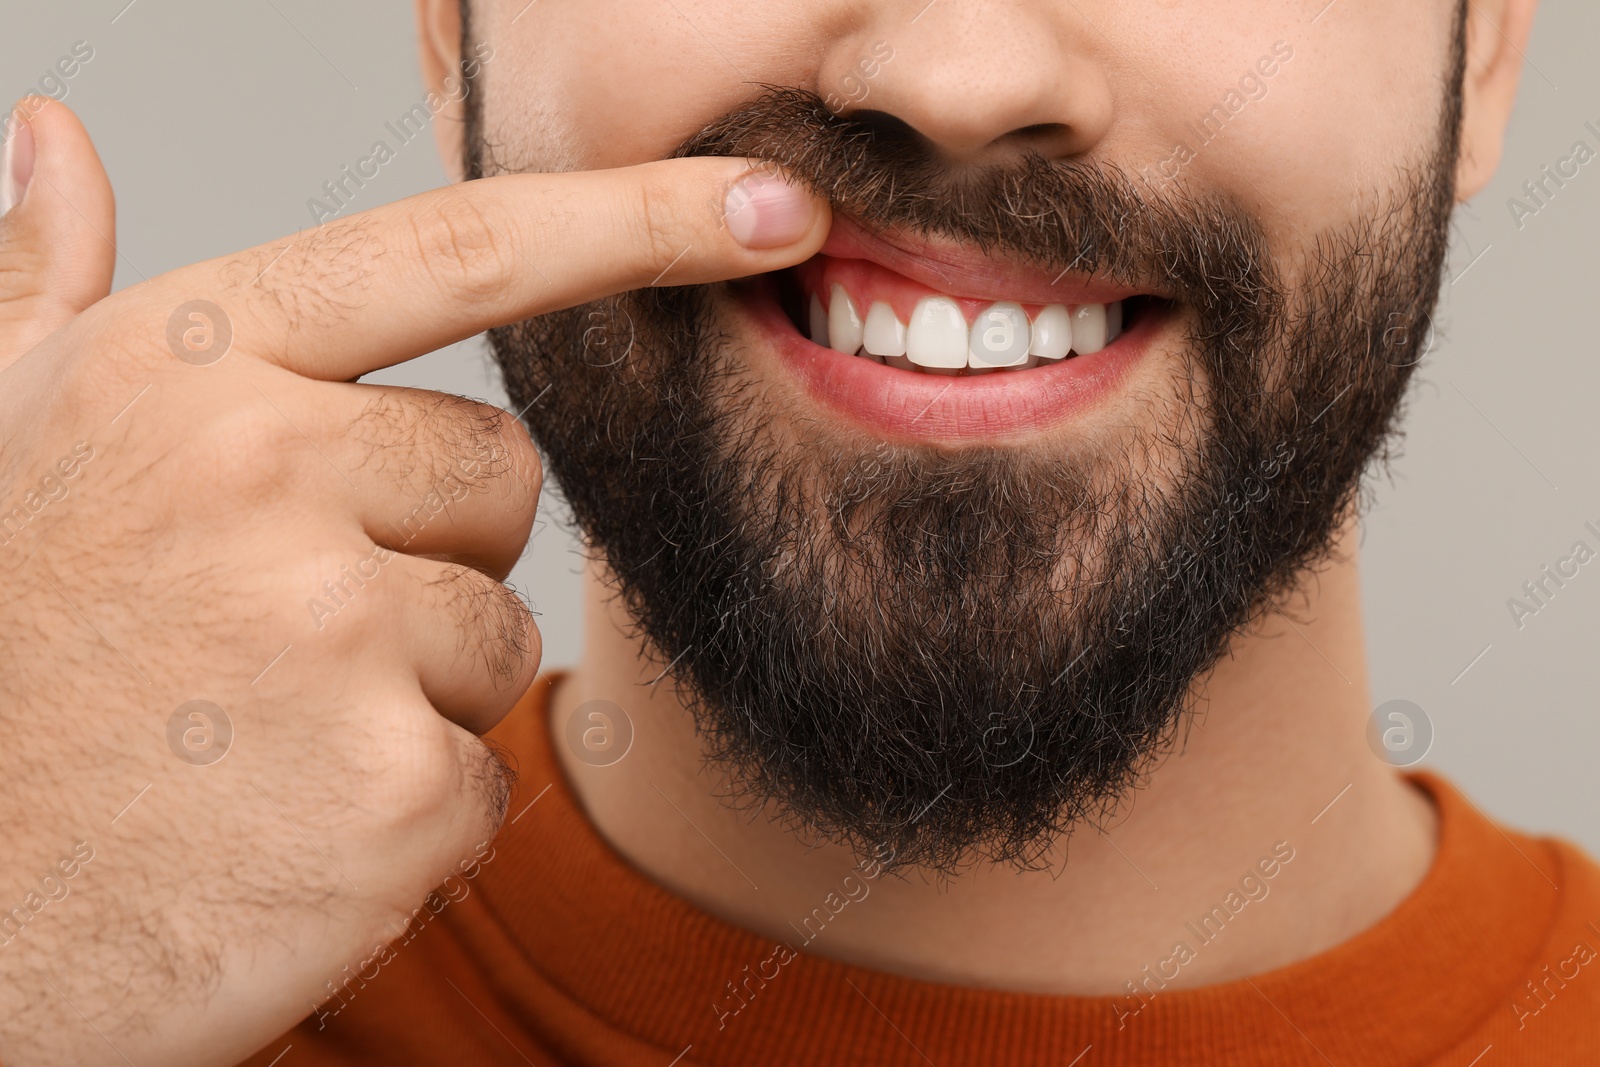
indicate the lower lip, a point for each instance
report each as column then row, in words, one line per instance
column 906, row 404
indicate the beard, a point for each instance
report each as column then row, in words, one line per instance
column 935, row 655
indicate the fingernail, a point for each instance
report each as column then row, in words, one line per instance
column 764, row 211
column 17, row 170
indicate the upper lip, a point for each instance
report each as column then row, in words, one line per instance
column 963, row 271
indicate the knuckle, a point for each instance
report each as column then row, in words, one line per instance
column 416, row 776
column 493, row 779
column 498, row 448
column 386, row 430
column 496, row 625
column 478, row 445
column 433, row 779
column 340, row 592
column 474, row 429
column 359, row 601
column 462, row 251
column 655, row 217
column 241, row 451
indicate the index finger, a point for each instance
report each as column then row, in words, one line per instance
column 398, row 281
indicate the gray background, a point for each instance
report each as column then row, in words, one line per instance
column 218, row 121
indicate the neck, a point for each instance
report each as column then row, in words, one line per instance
column 1271, row 774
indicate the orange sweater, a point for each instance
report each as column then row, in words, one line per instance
column 557, row 952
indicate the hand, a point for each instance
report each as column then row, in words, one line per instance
column 251, row 610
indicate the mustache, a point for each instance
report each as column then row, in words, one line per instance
column 1084, row 215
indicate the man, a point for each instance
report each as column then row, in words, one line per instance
column 968, row 435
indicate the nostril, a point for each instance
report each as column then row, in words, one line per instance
column 887, row 129
column 1039, row 131
column 891, row 133
column 1048, row 139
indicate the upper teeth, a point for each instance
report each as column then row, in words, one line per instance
column 939, row 339
column 1052, row 333
column 844, row 322
column 937, row 335
column 884, row 334
column 1089, row 328
column 1000, row 337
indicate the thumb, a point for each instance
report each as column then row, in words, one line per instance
column 58, row 230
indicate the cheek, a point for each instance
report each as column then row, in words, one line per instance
column 1357, row 100
column 586, row 94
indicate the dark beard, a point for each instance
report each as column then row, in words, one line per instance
column 934, row 654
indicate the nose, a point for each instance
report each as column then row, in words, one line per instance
column 978, row 80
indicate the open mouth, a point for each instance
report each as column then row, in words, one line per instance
column 939, row 341
column 860, row 309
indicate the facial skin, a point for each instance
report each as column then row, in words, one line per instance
column 1010, row 630
column 933, row 650
column 1336, row 132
